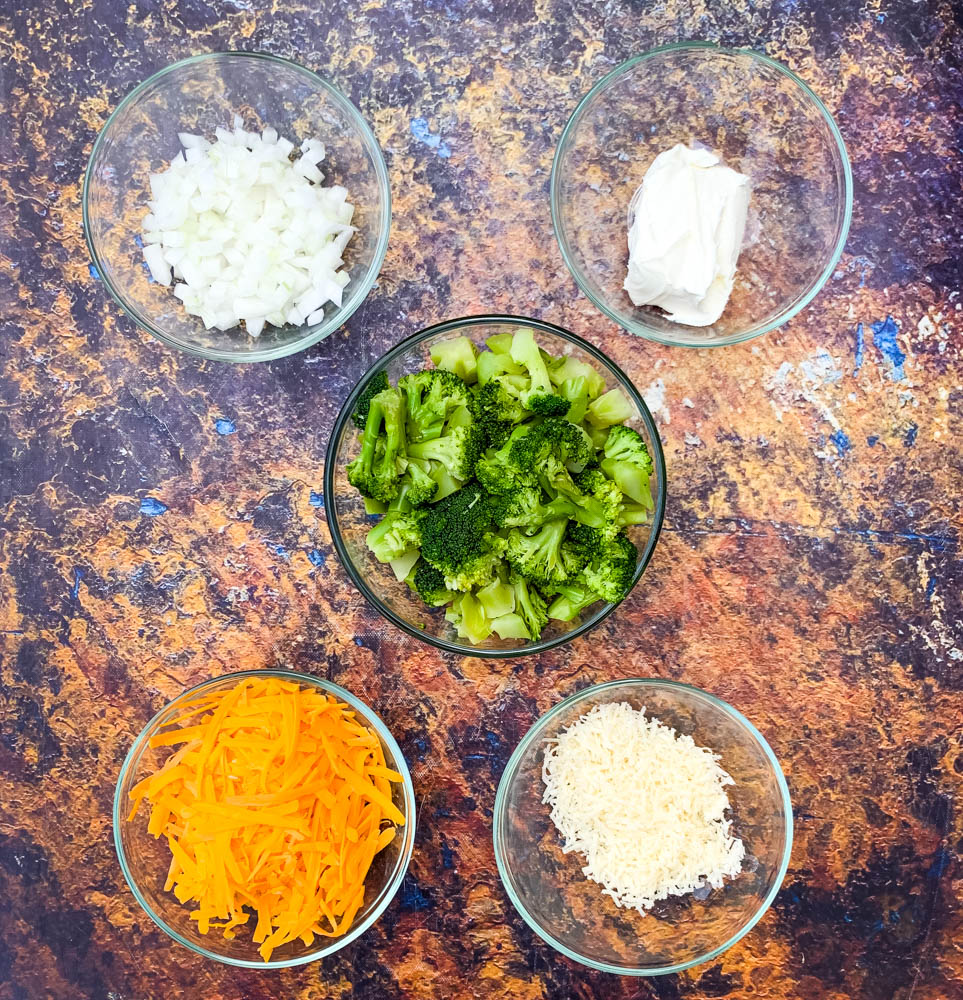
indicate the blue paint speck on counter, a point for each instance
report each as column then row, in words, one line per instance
column 423, row 134
column 152, row 507
column 78, row 576
column 909, row 438
column 841, row 440
column 884, row 337
column 860, row 348
column 315, row 558
column 316, row 500
column 930, row 587
column 447, row 857
column 872, row 440
column 941, row 861
column 224, row 426
column 412, row 898
column 94, row 273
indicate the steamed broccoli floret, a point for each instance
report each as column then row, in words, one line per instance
column 394, row 534
column 499, row 472
column 607, row 497
column 457, row 450
column 429, row 584
column 525, row 508
column 556, row 438
column 432, row 396
column 628, row 463
column 378, row 468
column 544, row 558
column 456, row 534
column 379, row 382
column 529, row 605
column 540, row 395
column 479, row 570
column 573, row 598
column 415, row 489
column 497, row 411
column 611, row 571
column 596, row 511
column 548, row 406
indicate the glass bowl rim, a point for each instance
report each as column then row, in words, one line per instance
column 401, row 348
column 391, row 886
column 358, row 295
column 500, row 813
column 637, row 327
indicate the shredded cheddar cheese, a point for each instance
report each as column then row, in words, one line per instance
column 274, row 803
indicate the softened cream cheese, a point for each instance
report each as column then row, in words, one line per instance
column 684, row 241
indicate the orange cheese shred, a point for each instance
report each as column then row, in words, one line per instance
column 274, row 803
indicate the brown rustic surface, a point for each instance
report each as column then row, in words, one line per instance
column 810, row 572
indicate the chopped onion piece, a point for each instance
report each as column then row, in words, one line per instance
column 251, row 235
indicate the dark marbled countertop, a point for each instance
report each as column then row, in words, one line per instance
column 810, row 572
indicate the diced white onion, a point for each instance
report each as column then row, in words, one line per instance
column 250, row 234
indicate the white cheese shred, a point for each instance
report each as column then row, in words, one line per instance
column 643, row 805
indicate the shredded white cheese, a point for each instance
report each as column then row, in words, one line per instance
column 643, row 804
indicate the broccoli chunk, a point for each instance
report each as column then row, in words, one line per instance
column 497, row 411
column 539, row 397
column 378, row 468
column 429, row 584
column 596, row 506
column 529, row 605
column 479, row 570
column 608, row 500
column 379, row 382
column 491, row 365
column 628, row 463
column 469, row 618
column 498, row 470
column 611, row 571
column 457, row 450
column 394, row 534
column 544, row 558
column 432, row 396
column 633, row 513
column 525, row 508
column 456, row 536
column 573, row 598
column 548, row 405
column 611, row 408
column 553, row 437
column 456, row 355
column 575, row 392
column 566, row 367
column 415, row 489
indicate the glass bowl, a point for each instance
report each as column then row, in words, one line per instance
column 349, row 524
column 762, row 121
column 197, row 95
column 571, row 913
column 144, row 860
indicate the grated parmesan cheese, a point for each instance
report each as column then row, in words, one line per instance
column 643, row 804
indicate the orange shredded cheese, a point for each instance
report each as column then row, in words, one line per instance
column 274, row 803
